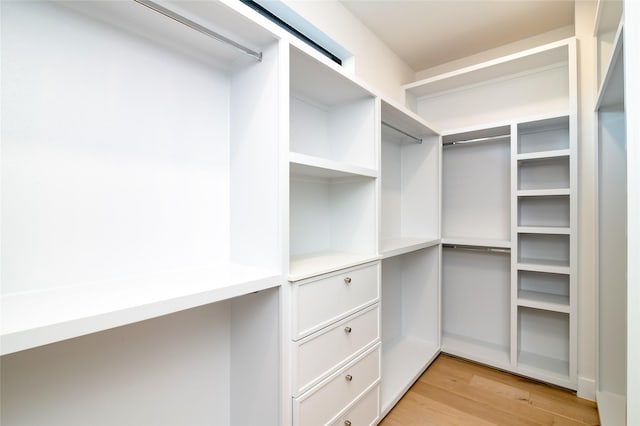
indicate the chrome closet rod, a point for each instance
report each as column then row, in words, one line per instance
column 195, row 26
column 418, row 140
column 477, row 248
column 489, row 138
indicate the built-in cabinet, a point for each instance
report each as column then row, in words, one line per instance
column 265, row 239
column 509, row 210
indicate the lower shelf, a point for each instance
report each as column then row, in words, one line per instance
column 403, row 360
column 477, row 350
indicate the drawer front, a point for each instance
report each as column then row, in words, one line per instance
column 326, row 401
column 317, row 303
column 318, row 354
column 364, row 413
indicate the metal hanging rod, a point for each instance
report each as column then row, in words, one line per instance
column 417, row 140
column 490, row 138
column 478, row 248
column 195, row 26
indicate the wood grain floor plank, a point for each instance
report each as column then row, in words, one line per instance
column 453, row 391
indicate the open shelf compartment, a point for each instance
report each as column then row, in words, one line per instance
column 548, row 135
column 544, row 290
column 331, row 116
column 410, row 320
column 476, row 305
column 128, row 197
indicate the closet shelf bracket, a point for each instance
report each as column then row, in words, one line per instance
column 201, row 29
column 414, row 138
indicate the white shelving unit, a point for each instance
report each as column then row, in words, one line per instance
column 509, row 221
column 333, row 169
column 132, row 270
column 611, row 377
column 409, row 245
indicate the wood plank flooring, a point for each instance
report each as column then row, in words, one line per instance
column 457, row 392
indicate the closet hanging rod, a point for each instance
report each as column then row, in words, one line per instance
column 195, row 26
column 417, row 140
column 489, row 138
column 478, row 248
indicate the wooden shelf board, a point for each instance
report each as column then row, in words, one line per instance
column 538, row 265
column 542, row 192
column 554, row 230
column 66, row 312
column 403, row 361
column 313, row 264
column 545, row 301
column 477, row 242
column 401, row 245
column 308, row 165
column 541, row 155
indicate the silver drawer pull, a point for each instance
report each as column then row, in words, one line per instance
column 347, row 329
column 347, row 423
column 347, row 280
column 349, row 377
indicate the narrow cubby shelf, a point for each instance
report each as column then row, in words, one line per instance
column 543, row 211
column 543, row 343
column 545, row 301
column 546, row 137
column 541, row 155
column 544, row 290
column 544, row 173
column 551, row 266
column 561, row 230
column 542, row 192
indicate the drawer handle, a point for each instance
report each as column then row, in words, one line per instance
column 347, row 423
column 347, row 329
column 349, row 377
column 347, row 280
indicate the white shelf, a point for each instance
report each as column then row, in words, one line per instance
column 542, row 192
column 545, row 301
column 475, row 242
column 549, row 369
column 308, row 165
column 401, row 245
column 494, row 355
column 543, row 155
column 406, row 120
column 310, row 265
column 403, row 360
column 538, row 265
column 557, row 230
column 35, row 318
column 521, row 62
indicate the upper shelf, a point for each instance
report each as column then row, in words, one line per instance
column 406, row 121
column 35, row 318
column 611, row 90
column 525, row 61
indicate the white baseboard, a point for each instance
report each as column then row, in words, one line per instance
column 587, row 388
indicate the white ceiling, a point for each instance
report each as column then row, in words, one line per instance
column 426, row 33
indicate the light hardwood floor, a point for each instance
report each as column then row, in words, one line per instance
column 457, row 392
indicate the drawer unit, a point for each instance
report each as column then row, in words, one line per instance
column 330, row 348
column 325, row 402
column 318, row 302
column 364, row 412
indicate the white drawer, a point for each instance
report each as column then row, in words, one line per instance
column 323, row 403
column 318, row 302
column 330, row 348
column 365, row 412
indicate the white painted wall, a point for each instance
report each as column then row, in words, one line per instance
column 375, row 62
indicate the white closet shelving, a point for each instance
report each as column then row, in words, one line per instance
column 612, row 216
column 333, row 169
column 410, row 168
column 133, row 162
column 509, row 218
